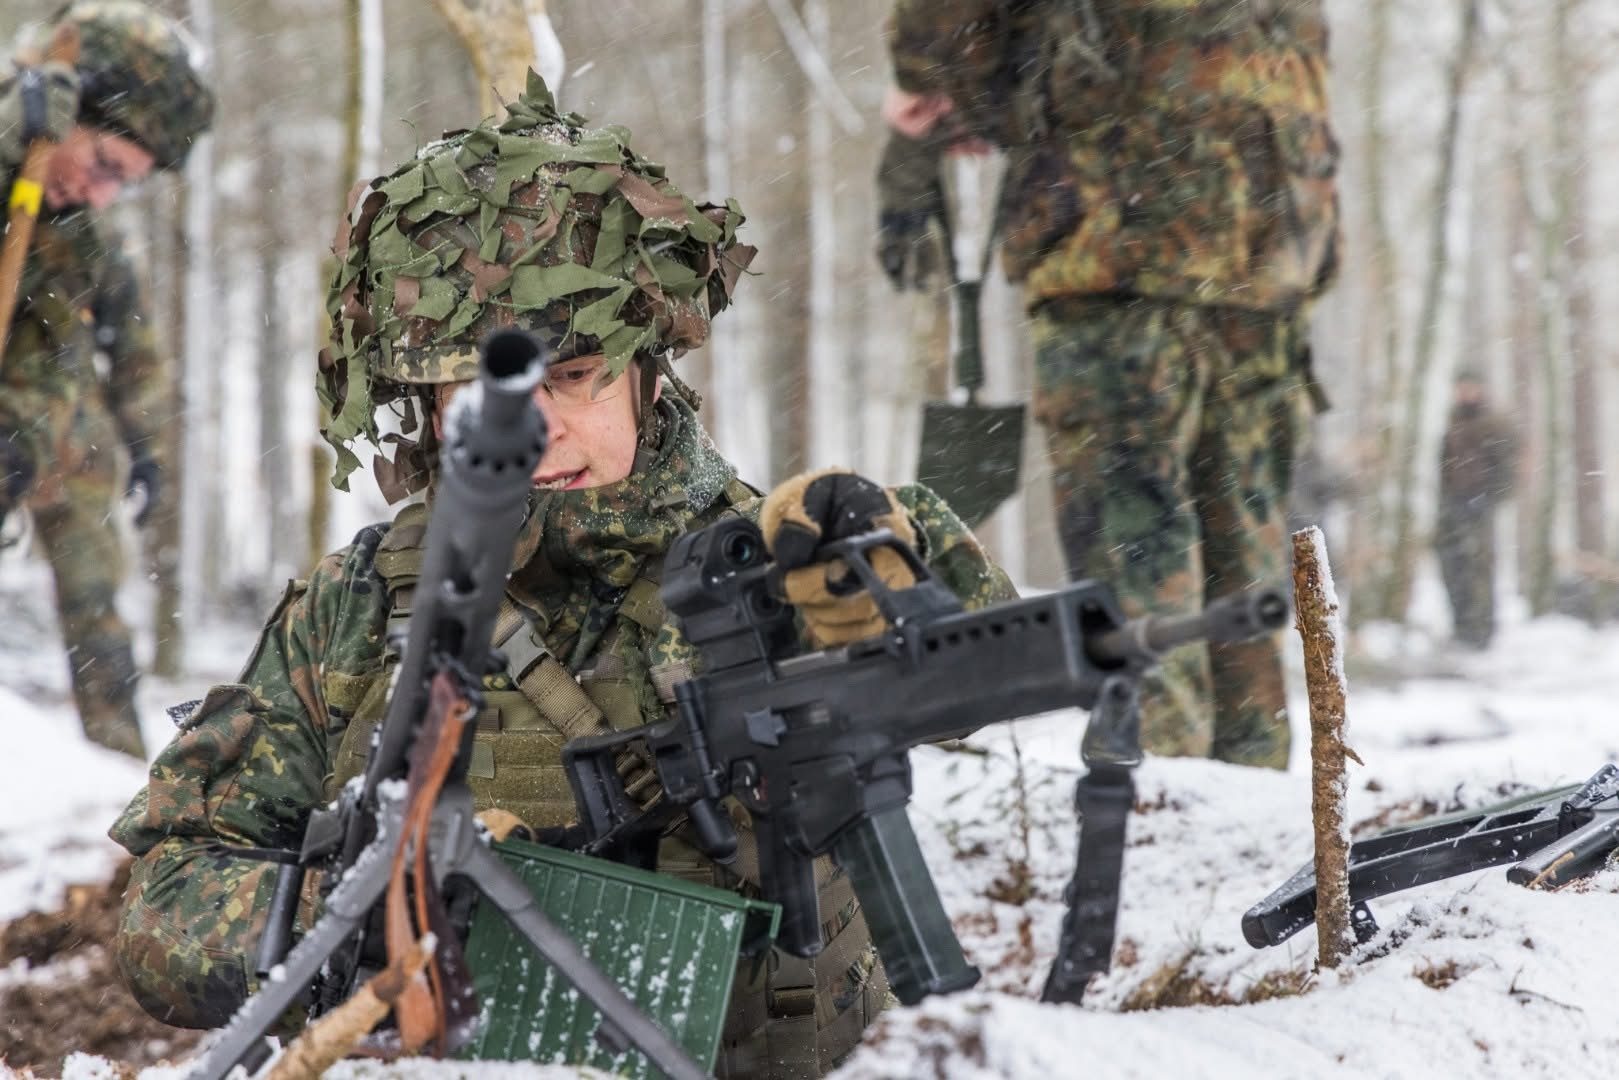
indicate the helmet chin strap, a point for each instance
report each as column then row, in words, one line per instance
column 646, row 420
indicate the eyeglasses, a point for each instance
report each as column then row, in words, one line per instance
column 582, row 380
column 579, row 380
column 105, row 170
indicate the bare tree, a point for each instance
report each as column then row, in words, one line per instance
column 505, row 38
column 1397, row 588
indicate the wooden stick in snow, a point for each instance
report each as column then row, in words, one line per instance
column 335, row 1035
column 1315, row 607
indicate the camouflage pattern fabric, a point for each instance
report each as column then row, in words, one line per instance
column 1172, row 430
column 257, row 756
column 1176, row 149
column 67, row 427
column 538, row 223
column 1478, row 456
column 138, row 77
column 1170, row 207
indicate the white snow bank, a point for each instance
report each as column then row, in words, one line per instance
column 58, row 794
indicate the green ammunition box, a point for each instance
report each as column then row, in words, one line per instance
column 670, row 944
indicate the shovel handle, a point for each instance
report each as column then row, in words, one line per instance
column 969, row 352
column 23, row 200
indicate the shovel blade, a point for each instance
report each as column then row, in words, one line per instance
column 971, row 455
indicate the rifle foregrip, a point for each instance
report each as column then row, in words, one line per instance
column 912, row 933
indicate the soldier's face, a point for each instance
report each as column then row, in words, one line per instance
column 591, row 420
column 1469, row 392
column 92, row 168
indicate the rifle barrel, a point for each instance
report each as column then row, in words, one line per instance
column 1237, row 617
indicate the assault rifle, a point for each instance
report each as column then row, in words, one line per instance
column 816, row 746
column 1552, row 837
column 396, row 823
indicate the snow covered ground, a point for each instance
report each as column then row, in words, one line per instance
column 1472, row 977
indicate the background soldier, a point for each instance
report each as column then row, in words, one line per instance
column 1477, row 460
column 1170, row 210
column 132, row 104
column 563, row 231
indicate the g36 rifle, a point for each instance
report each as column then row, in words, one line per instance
column 816, row 746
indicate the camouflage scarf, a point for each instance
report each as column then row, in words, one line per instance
column 580, row 550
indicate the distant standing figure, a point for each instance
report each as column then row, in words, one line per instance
column 1477, row 460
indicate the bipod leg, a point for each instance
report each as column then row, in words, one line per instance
column 620, row 1015
column 1103, row 798
column 346, row 909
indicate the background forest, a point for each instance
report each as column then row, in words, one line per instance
column 1478, row 139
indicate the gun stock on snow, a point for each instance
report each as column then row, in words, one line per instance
column 816, row 746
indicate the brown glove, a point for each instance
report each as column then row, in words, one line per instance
column 504, row 825
column 813, row 509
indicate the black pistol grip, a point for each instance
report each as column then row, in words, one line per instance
column 788, row 878
column 912, row 933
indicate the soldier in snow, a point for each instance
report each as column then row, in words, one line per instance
column 1477, row 460
column 540, row 223
column 1170, row 210
column 132, row 104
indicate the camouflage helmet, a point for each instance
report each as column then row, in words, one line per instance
column 537, row 223
column 138, row 77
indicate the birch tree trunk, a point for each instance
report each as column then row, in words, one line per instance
column 1404, row 555
column 504, row 38
column 1369, row 527
column 772, row 137
column 163, row 550
column 274, row 459
column 1572, row 154
column 203, row 524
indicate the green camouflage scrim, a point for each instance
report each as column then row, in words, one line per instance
column 1177, row 149
column 1172, row 431
column 256, row 757
column 539, row 223
column 65, row 427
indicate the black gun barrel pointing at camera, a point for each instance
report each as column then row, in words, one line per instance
column 494, row 439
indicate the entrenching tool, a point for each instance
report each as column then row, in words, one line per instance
column 971, row 453
column 27, row 193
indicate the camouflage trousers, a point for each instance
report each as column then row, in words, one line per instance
column 1465, row 544
column 1172, row 431
column 74, row 502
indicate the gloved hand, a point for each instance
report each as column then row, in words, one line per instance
column 503, row 825
column 813, row 509
column 911, row 244
column 50, row 101
column 147, row 478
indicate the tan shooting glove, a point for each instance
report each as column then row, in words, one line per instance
column 814, row 509
column 504, row 825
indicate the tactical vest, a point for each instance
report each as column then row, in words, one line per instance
column 790, row 1018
